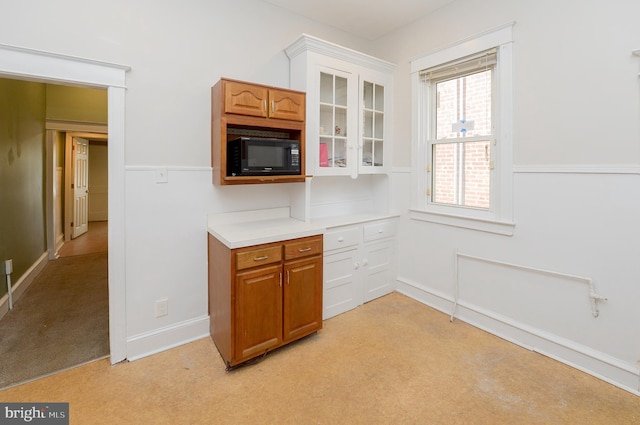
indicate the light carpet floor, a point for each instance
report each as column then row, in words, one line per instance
column 61, row 321
column 391, row 361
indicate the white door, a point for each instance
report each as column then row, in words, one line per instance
column 80, row 186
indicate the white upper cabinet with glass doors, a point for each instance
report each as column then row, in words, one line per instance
column 336, row 128
column 348, row 107
column 373, row 138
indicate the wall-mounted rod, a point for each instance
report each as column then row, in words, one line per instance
column 456, row 286
column 593, row 295
column 8, row 269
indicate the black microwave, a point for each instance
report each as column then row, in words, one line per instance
column 257, row 156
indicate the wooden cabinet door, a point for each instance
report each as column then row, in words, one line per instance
column 245, row 99
column 258, row 306
column 286, row 105
column 302, row 297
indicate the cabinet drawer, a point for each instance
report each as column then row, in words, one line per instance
column 379, row 230
column 256, row 256
column 342, row 238
column 303, row 247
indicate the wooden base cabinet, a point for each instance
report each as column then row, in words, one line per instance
column 264, row 296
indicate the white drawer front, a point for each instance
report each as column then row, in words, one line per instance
column 379, row 230
column 342, row 238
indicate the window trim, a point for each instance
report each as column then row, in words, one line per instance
column 499, row 219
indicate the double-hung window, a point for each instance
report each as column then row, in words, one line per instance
column 461, row 136
column 462, row 111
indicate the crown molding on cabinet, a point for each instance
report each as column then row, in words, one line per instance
column 308, row 43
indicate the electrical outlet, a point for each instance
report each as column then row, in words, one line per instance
column 162, row 307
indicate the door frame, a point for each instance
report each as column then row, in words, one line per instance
column 47, row 67
column 70, row 166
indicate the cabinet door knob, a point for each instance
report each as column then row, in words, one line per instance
column 356, row 265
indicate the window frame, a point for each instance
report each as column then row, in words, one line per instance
column 433, row 140
column 499, row 217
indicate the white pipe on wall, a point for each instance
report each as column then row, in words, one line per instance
column 593, row 295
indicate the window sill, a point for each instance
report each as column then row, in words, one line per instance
column 483, row 225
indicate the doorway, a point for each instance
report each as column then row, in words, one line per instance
column 85, row 182
column 48, row 67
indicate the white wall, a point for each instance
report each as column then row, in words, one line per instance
column 176, row 51
column 576, row 185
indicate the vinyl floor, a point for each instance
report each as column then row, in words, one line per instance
column 390, row 361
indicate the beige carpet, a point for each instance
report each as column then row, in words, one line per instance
column 61, row 321
column 391, row 361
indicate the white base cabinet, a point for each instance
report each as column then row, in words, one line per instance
column 359, row 265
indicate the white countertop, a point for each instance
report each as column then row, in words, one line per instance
column 246, row 228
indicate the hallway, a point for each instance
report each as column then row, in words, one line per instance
column 95, row 240
column 62, row 320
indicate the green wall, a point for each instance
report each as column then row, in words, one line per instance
column 22, row 203
column 76, row 104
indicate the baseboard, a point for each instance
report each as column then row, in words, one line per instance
column 156, row 341
column 59, row 242
column 585, row 359
column 22, row 284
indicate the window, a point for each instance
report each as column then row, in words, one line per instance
column 461, row 105
column 462, row 170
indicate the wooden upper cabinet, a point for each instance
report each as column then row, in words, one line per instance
column 261, row 101
column 244, row 109
column 245, row 99
column 286, row 105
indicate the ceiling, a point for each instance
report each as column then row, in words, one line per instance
column 363, row 18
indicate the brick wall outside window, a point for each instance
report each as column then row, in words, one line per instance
column 461, row 170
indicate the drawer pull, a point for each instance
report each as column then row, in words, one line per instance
column 264, row 257
column 340, row 239
column 380, row 230
column 304, row 249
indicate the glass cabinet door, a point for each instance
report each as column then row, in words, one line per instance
column 372, row 148
column 333, row 122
